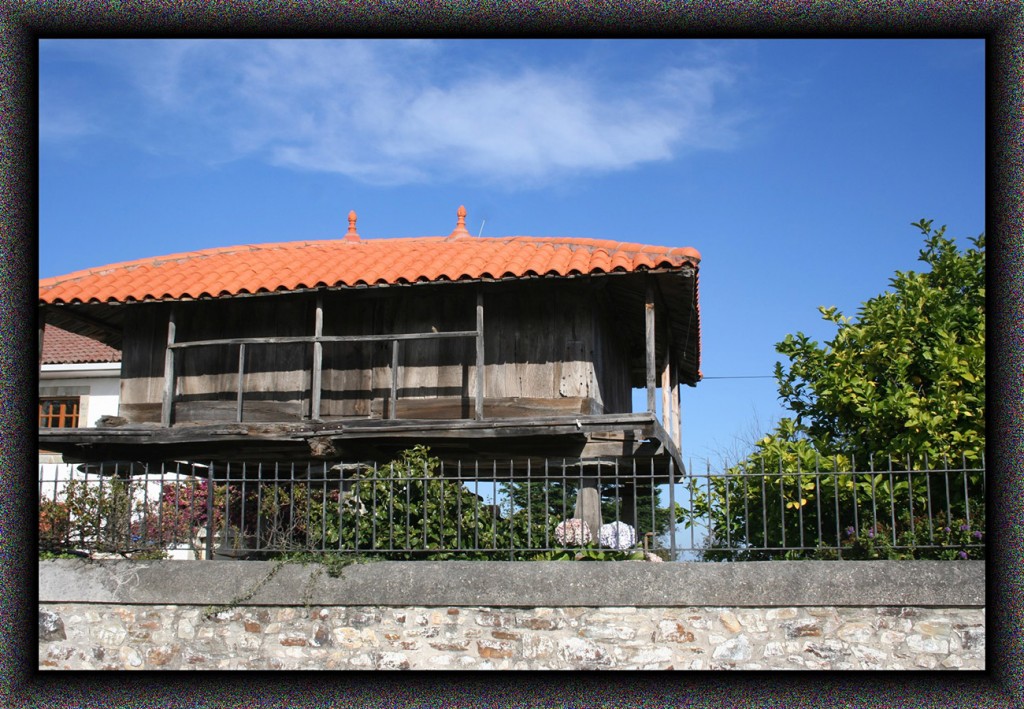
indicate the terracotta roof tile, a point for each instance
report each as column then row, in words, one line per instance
column 338, row 263
column 63, row 347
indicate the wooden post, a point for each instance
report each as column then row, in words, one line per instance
column 316, row 383
column 666, row 392
column 588, row 505
column 393, row 412
column 676, row 421
column 165, row 411
column 649, row 326
column 42, row 333
column 241, row 378
column 479, row 355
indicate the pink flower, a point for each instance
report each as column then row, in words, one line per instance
column 572, row 533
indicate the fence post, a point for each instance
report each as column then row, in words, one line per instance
column 672, row 506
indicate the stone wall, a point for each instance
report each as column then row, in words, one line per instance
column 260, row 615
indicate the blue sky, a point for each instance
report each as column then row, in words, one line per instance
column 794, row 166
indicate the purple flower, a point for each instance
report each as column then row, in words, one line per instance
column 963, row 555
column 850, row 531
column 964, row 528
column 946, row 530
column 977, row 535
column 616, row 535
column 871, row 534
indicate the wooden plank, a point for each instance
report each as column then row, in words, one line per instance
column 141, row 413
column 479, row 355
column 316, row 384
column 241, row 379
column 497, row 407
column 165, row 414
column 227, row 411
column 630, row 426
column 649, row 346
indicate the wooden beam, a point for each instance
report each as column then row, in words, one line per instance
column 649, row 340
column 393, row 409
column 168, row 401
column 339, row 338
column 316, row 383
column 479, row 355
column 676, row 421
column 241, row 377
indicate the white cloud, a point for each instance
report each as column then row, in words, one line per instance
column 401, row 111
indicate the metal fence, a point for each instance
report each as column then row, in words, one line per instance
column 423, row 508
column 888, row 508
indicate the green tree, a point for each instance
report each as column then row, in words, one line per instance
column 899, row 388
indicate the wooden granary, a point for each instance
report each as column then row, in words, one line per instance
column 353, row 349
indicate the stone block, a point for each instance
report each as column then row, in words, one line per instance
column 495, row 620
column 729, row 621
column 454, row 646
column 855, row 632
column 927, row 644
column 109, row 632
column 581, row 652
column 673, row 631
column 608, row 632
column 162, row 655
column 735, row 649
column 51, row 627
column 541, row 623
column 495, row 649
column 390, row 661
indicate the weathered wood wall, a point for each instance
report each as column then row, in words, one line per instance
column 550, row 347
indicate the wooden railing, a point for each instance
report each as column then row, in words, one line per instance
column 318, row 339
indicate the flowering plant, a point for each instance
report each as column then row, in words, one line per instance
column 617, row 535
column 573, row 532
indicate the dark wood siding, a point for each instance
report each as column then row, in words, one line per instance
column 550, row 348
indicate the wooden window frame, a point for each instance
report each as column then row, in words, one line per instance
column 63, row 418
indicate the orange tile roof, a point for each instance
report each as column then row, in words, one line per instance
column 351, row 261
column 63, row 347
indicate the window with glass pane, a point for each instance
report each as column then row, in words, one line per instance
column 58, row 413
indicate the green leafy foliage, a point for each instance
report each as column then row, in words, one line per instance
column 899, row 388
column 404, row 510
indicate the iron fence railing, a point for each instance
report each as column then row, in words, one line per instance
column 834, row 509
column 423, row 508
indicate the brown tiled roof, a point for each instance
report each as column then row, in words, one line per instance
column 351, row 261
column 63, row 347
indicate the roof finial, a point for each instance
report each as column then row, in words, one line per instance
column 352, row 234
column 460, row 227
